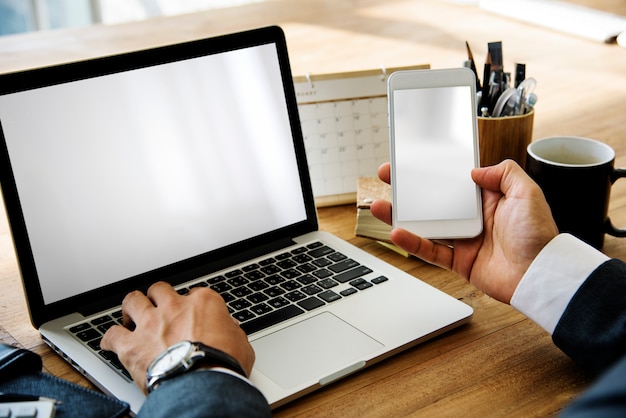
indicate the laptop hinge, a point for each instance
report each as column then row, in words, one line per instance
column 189, row 274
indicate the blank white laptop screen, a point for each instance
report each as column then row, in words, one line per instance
column 164, row 165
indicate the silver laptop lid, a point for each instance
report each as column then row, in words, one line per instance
column 161, row 164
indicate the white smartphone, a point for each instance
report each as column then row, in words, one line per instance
column 434, row 146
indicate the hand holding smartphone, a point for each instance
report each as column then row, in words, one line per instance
column 434, row 146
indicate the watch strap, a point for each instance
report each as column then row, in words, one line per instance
column 202, row 354
column 216, row 357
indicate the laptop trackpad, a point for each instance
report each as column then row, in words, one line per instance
column 311, row 349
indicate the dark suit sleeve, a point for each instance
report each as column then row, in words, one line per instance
column 205, row 393
column 592, row 330
column 606, row 398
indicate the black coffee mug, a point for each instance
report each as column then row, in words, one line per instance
column 576, row 175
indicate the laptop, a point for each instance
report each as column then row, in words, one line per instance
column 186, row 163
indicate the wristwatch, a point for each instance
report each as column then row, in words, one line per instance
column 183, row 357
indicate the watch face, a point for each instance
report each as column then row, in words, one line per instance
column 170, row 359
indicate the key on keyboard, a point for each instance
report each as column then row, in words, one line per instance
column 30, row 409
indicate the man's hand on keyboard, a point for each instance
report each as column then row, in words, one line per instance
column 161, row 318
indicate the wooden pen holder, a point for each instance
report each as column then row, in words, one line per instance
column 505, row 137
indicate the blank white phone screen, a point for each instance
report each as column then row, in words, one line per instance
column 434, row 154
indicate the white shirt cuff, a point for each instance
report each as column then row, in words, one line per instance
column 230, row 372
column 553, row 278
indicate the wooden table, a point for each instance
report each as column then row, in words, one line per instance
column 499, row 364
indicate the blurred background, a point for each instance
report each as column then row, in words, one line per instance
column 18, row 16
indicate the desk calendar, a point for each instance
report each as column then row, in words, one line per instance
column 345, row 128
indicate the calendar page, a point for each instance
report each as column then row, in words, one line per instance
column 345, row 128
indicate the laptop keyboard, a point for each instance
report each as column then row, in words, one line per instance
column 263, row 293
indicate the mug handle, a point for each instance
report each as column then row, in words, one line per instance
column 610, row 229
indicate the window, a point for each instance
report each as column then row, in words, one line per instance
column 17, row 16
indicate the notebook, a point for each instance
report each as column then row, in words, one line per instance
column 186, row 163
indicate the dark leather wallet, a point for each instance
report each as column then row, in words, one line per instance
column 20, row 373
column 15, row 361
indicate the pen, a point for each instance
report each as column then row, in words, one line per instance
column 18, row 397
column 472, row 65
column 520, row 74
column 495, row 88
column 506, row 81
column 497, row 78
column 495, row 52
column 484, row 98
